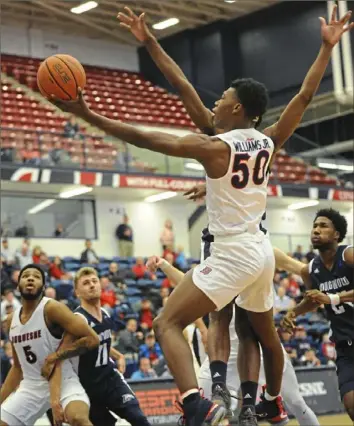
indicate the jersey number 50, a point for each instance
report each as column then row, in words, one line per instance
column 240, row 165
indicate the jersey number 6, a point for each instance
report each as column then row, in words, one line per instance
column 240, row 165
column 30, row 356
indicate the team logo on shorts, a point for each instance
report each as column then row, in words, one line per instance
column 127, row 397
column 206, row 270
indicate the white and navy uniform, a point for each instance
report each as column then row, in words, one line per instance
column 290, row 390
column 105, row 385
column 241, row 261
column 341, row 317
column 33, row 342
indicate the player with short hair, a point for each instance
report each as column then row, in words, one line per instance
column 35, row 331
column 103, row 383
column 329, row 278
column 236, row 164
column 218, row 341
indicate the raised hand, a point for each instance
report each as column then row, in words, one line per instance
column 135, row 24
column 333, row 31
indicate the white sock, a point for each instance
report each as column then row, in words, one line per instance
column 190, row 392
column 269, row 397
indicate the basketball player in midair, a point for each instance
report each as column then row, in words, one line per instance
column 103, row 383
column 290, row 388
column 329, row 278
column 236, row 164
column 218, row 348
column 35, row 331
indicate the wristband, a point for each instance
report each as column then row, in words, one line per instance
column 335, row 299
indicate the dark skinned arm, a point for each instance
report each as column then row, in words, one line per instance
column 306, row 305
column 87, row 339
column 200, row 147
column 331, row 33
column 201, row 116
column 14, row 376
column 348, row 256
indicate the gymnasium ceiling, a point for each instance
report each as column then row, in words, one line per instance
column 101, row 21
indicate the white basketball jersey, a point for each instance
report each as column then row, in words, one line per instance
column 33, row 342
column 236, row 202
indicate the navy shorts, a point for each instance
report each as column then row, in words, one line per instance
column 345, row 368
column 115, row 396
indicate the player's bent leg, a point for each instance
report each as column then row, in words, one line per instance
column 77, row 413
column 186, row 304
column 348, row 401
column 296, row 404
column 219, row 351
column 248, row 361
column 345, row 373
column 264, row 327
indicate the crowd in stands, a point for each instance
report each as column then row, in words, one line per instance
column 133, row 296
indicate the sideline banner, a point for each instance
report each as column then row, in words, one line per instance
column 318, row 386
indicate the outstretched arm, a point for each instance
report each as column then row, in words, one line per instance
column 189, row 146
column 281, row 131
column 200, row 115
column 287, row 263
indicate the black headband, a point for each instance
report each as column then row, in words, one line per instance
column 34, row 266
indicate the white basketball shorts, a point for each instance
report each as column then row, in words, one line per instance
column 32, row 399
column 242, row 266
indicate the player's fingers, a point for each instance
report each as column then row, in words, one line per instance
column 349, row 27
column 124, row 18
column 323, row 21
column 122, row 24
column 190, row 191
column 346, row 17
column 142, row 19
column 130, row 12
column 334, row 13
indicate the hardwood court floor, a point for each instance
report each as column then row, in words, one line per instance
column 333, row 420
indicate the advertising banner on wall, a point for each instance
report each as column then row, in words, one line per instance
column 318, row 386
column 107, row 179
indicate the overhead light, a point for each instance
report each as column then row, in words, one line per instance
column 334, row 166
column 161, row 196
column 303, row 204
column 41, row 206
column 229, row 1
column 84, row 7
column 194, row 166
column 75, row 191
column 165, row 24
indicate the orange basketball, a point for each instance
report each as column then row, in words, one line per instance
column 61, row 75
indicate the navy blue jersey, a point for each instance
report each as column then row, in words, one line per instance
column 336, row 280
column 95, row 366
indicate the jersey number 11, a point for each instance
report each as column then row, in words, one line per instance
column 102, row 357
